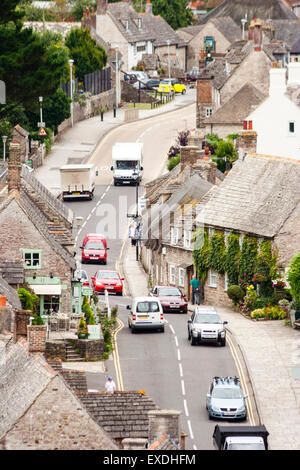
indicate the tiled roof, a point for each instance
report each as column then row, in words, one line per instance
column 123, row 414
column 287, row 30
column 263, row 9
column 162, row 30
column 238, row 107
column 228, row 28
column 296, row 47
column 257, row 196
column 11, row 294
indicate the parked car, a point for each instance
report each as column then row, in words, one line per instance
column 176, row 85
column 152, row 83
column 107, row 280
column 225, row 399
column 130, row 77
column 145, row 313
column 192, row 74
column 94, row 249
column 206, row 325
column 171, row 298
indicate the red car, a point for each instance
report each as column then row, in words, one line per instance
column 94, row 249
column 171, row 299
column 107, row 280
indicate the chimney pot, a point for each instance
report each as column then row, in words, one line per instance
column 14, row 166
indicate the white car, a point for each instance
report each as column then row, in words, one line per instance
column 141, row 77
column 145, row 313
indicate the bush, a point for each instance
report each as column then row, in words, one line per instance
column 258, row 313
column 270, row 313
column 236, row 294
column 294, row 277
column 173, row 161
column 37, row 320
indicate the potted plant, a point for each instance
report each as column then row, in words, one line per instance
column 82, row 331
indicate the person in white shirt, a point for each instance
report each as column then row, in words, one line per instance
column 110, row 386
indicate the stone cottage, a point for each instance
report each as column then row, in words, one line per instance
column 36, row 228
column 258, row 198
column 215, row 37
column 166, row 252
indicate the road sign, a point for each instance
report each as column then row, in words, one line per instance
column 87, row 291
column 41, row 124
column 42, row 132
column 94, row 331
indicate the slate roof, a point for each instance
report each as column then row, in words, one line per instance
column 38, row 410
column 153, row 28
column 123, row 414
column 237, row 108
column 228, row 28
column 287, row 30
column 296, row 47
column 11, row 294
column 263, row 9
column 256, row 197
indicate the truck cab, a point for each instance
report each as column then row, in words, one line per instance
column 240, row 437
column 127, row 163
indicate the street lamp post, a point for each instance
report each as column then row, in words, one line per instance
column 4, row 138
column 136, row 175
column 71, row 62
column 168, row 42
column 117, row 79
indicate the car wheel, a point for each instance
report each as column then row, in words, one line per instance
column 189, row 335
column 119, row 293
column 162, row 329
column 223, row 342
column 193, row 341
column 132, row 329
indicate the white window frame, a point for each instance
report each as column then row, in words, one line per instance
column 187, row 238
column 208, row 112
column 212, row 275
column 174, row 235
column 181, row 277
column 172, row 274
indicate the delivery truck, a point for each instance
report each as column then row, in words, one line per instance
column 240, row 437
column 127, row 163
column 78, row 181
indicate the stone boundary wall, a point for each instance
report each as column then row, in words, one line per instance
column 36, row 337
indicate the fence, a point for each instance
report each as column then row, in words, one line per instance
column 98, row 82
column 66, row 87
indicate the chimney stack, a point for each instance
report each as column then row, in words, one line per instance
column 203, row 99
column 101, row 7
column 149, row 7
column 164, row 422
column 14, row 167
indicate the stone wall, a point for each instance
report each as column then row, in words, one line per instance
column 164, row 422
column 55, row 349
column 6, row 314
column 196, row 44
column 90, row 349
column 129, row 94
column 21, row 321
column 216, row 296
column 204, row 100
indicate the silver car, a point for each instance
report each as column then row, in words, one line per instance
column 225, row 399
column 206, row 325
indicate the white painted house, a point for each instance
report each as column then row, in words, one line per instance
column 277, row 119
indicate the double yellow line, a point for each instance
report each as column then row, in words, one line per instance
column 243, row 380
column 116, row 357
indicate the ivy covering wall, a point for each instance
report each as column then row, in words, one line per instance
column 241, row 264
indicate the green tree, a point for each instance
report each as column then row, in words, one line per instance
column 175, row 12
column 87, row 55
column 294, row 277
column 10, row 11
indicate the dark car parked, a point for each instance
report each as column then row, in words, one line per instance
column 171, row 298
column 152, row 83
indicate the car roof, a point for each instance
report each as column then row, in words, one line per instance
column 145, row 299
column 205, row 309
column 226, row 382
column 95, row 235
column 107, row 271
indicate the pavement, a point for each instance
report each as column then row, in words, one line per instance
column 271, row 349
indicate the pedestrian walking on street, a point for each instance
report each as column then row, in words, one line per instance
column 132, row 234
column 110, row 386
column 195, row 286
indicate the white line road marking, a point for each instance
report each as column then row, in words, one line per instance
column 194, row 447
column 178, row 355
column 182, row 387
column 172, row 329
column 176, row 341
column 89, row 216
column 84, row 223
column 190, row 429
column 185, row 408
column 180, row 370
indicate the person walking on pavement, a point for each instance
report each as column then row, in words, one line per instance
column 195, row 286
column 132, row 234
column 110, row 386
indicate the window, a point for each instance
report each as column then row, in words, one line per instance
column 213, row 279
column 174, row 236
column 181, row 275
column 172, row 274
column 187, row 238
column 208, row 112
column 291, row 127
column 32, row 259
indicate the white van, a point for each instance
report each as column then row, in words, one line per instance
column 145, row 312
column 127, row 163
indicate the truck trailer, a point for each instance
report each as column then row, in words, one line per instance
column 77, row 181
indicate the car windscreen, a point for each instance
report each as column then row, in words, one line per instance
column 169, row 291
column 147, row 307
column 207, row 318
column 126, row 164
column 226, row 393
column 107, row 275
column 94, row 246
column 83, row 275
